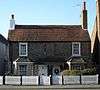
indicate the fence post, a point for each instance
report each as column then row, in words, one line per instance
column 62, row 80
column 39, row 79
column 80, row 75
column 51, row 80
column 21, row 80
column 4, row 80
column 80, row 79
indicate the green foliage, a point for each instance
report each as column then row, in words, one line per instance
column 71, row 72
column 89, row 71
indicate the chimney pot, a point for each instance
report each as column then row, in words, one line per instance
column 12, row 22
column 12, row 16
column 84, row 6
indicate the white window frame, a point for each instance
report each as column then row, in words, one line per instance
column 20, row 49
column 73, row 54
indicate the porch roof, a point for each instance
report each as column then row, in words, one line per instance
column 51, row 59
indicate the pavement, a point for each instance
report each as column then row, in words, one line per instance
column 51, row 87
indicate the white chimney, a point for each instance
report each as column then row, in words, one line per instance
column 12, row 22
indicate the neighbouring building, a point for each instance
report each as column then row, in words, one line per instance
column 95, row 38
column 49, row 49
column 4, row 55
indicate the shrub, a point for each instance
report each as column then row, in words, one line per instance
column 89, row 71
column 71, row 72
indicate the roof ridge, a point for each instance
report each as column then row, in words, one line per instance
column 46, row 26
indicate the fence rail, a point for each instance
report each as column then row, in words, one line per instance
column 12, row 80
column 48, row 80
column 71, row 80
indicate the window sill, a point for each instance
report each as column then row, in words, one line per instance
column 77, row 55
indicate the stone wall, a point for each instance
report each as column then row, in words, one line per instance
column 42, row 50
column 38, row 50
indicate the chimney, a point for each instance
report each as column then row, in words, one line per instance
column 84, row 17
column 12, row 22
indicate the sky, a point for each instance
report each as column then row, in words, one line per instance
column 44, row 12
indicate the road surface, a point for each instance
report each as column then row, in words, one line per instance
column 53, row 87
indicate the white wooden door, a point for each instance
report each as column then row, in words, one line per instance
column 42, row 70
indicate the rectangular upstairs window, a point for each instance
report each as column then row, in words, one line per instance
column 76, row 51
column 23, row 50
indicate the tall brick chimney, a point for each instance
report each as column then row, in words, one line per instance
column 12, row 22
column 84, row 17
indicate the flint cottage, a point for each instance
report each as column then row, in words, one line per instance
column 48, row 49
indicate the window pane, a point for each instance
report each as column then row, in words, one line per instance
column 23, row 69
column 23, row 49
column 76, row 49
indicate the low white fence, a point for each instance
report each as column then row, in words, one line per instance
column 47, row 80
column 12, row 80
column 44, row 80
column 93, row 79
column 71, row 80
column 1, row 80
column 30, row 80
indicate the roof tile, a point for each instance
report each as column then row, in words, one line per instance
column 48, row 33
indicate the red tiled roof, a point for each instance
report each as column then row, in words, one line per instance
column 48, row 33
